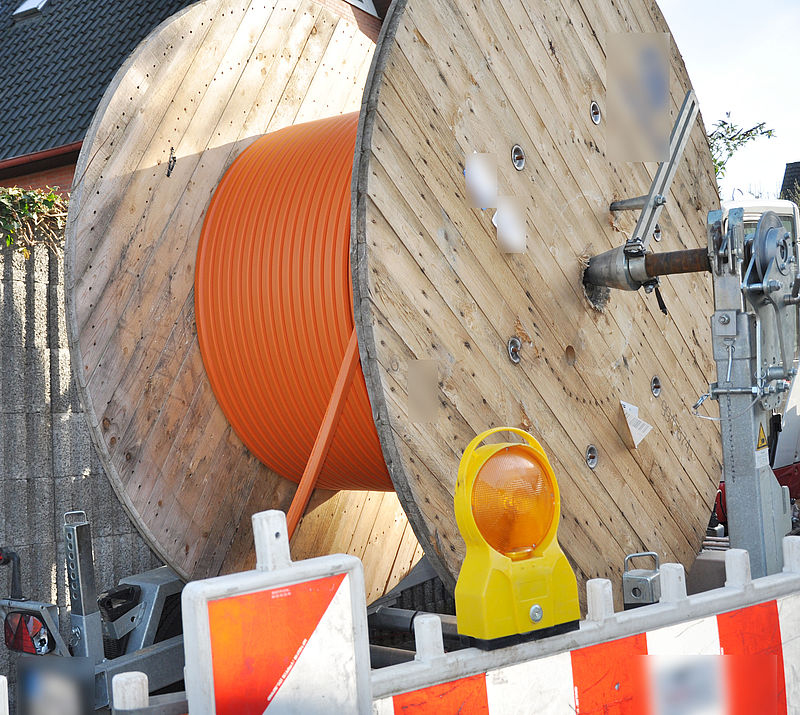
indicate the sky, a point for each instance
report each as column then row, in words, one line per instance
column 743, row 57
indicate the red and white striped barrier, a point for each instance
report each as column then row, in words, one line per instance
column 681, row 662
column 711, row 654
column 292, row 638
column 286, row 637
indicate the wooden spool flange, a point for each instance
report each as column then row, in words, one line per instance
column 201, row 88
column 453, row 78
column 448, row 78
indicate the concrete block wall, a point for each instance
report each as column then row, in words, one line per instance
column 47, row 462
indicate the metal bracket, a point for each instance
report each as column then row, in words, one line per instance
column 80, row 567
column 759, row 514
column 652, row 204
column 84, row 616
column 625, row 267
column 167, row 704
column 125, row 623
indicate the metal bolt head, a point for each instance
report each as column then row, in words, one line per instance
column 514, row 346
column 657, row 232
column 536, row 613
column 591, row 456
column 724, row 319
column 655, row 386
column 518, row 157
column 594, row 111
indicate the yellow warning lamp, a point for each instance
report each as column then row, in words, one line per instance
column 515, row 580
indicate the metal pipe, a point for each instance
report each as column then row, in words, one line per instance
column 610, row 269
column 694, row 260
column 637, row 202
column 381, row 656
column 616, row 269
column 388, row 618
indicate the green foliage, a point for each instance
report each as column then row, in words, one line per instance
column 728, row 137
column 32, row 216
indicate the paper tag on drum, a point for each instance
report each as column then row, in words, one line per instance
column 639, row 429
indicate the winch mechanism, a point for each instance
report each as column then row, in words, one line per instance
column 754, row 330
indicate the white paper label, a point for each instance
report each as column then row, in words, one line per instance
column 639, row 429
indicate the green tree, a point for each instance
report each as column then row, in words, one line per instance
column 31, row 216
column 728, row 137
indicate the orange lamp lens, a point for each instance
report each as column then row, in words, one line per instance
column 513, row 502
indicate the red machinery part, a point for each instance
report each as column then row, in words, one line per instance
column 720, row 508
column 788, row 476
column 273, row 303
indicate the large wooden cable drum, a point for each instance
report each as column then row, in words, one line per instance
column 274, row 302
column 238, row 121
column 195, row 94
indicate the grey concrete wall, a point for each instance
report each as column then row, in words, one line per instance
column 47, row 462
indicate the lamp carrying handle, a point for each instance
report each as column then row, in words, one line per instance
column 527, row 438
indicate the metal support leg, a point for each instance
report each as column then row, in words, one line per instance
column 659, row 190
column 624, row 267
column 759, row 512
column 86, row 638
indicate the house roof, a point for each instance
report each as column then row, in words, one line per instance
column 56, row 64
column 790, row 178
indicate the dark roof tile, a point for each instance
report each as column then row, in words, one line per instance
column 57, row 63
column 790, row 178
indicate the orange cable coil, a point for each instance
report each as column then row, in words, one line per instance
column 274, row 303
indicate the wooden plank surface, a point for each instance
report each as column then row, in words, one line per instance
column 449, row 78
column 454, row 78
column 202, row 87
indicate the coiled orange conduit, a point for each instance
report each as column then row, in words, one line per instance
column 274, row 306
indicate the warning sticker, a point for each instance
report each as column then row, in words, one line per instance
column 762, row 438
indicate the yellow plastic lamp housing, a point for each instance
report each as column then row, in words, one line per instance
column 515, row 579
